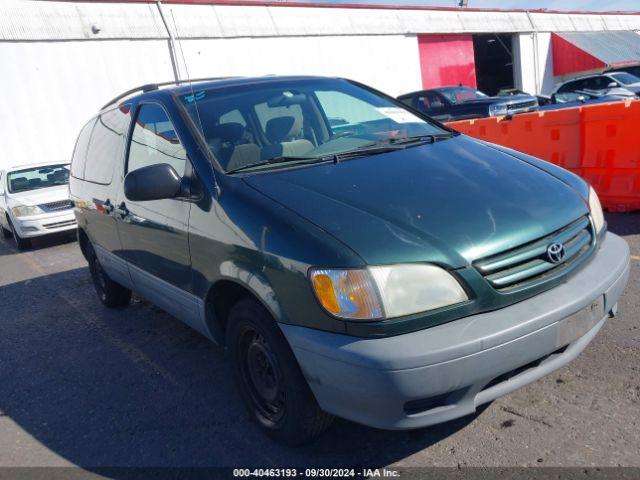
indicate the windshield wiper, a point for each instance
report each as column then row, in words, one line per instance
column 282, row 159
column 384, row 146
column 390, row 145
column 424, row 138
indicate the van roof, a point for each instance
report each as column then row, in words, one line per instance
column 185, row 86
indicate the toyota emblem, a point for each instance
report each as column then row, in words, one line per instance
column 555, row 252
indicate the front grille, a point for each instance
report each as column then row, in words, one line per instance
column 518, row 106
column 530, row 262
column 66, row 223
column 56, row 206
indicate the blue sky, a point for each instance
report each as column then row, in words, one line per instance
column 596, row 5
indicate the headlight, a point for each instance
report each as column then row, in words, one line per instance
column 376, row 293
column 497, row 110
column 26, row 211
column 596, row 210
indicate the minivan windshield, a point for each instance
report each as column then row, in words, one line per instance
column 302, row 120
column 37, row 177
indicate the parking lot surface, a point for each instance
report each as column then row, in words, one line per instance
column 83, row 385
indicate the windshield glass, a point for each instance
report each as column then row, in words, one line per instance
column 311, row 118
column 37, row 177
column 461, row 94
column 625, row 78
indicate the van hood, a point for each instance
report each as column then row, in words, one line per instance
column 41, row 195
column 450, row 202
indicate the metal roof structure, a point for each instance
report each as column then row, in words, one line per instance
column 575, row 52
column 22, row 20
column 611, row 48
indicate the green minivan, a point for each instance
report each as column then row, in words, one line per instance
column 355, row 257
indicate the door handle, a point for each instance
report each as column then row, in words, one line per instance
column 122, row 210
column 108, row 206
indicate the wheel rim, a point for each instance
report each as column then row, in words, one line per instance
column 262, row 377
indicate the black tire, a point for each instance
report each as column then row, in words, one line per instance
column 110, row 293
column 269, row 378
column 21, row 243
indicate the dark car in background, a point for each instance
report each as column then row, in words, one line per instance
column 459, row 103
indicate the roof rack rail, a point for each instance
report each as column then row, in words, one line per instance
column 149, row 87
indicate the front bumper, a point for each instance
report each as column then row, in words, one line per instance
column 45, row 224
column 445, row 372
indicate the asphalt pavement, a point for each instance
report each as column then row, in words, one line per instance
column 81, row 385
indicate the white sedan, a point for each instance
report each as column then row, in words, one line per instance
column 34, row 201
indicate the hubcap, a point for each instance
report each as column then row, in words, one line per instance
column 262, row 370
column 261, row 377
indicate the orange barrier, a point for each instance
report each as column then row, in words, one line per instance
column 601, row 143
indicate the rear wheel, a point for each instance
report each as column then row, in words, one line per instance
column 269, row 378
column 111, row 294
column 21, row 243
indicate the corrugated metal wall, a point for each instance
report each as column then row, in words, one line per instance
column 63, row 60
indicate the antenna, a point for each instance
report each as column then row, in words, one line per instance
column 186, row 69
column 216, row 185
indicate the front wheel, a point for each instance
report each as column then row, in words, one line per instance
column 110, row 293
column 269, row 378
column 5, row 233
column 21, row 243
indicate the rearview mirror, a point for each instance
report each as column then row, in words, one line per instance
column 155, row 182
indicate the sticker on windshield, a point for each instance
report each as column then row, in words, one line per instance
column 194, row 96
column 399, row 115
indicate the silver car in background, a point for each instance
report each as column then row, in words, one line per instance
column 34, row 201
column 610, row 83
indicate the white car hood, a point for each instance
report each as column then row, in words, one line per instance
column 40, row 196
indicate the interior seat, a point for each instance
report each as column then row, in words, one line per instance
column 224, row 139
column 283, row 133
column 19, row 183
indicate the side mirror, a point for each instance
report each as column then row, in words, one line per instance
column 612, row 85
column 155, row 182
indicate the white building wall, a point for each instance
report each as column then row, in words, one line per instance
column 546, row 80
column 50, row 89
column 533, row 62
column 388, row 63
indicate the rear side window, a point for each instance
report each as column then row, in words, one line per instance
column 154, row 140
column 80, row 150
column 571, row 86
column 597, row 83
column 106, row 147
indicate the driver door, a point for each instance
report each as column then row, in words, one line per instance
column 154, row 234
